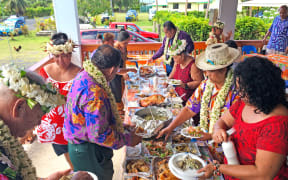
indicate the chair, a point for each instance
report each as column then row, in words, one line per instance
column 248, row 49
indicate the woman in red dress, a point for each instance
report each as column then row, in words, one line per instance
column 60, row 74
column 185, row 70
column 260, row 119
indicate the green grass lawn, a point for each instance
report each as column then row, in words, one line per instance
column 31, row 51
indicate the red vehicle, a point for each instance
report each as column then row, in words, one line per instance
column 134, row 28
column 89, row 36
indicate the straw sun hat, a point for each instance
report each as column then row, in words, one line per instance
column 216, row 56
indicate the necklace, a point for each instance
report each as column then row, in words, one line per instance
column 19, row 158
column 218, row 104
column 168, row 61
column 99, row 77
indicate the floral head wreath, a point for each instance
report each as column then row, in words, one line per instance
column 17, row 80
column 177, row 48
column 219, row 24
column 59, row 49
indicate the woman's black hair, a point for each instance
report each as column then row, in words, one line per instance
column 169, row 26
column 231, row 44
column 106, row 57
column 259, row 80
column 123, row 35
column 59, row 38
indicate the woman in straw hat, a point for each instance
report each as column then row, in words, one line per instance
column 214, row 95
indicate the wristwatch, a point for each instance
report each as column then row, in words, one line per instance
column 186, row 86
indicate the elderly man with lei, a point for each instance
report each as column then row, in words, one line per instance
column 24, row 98
column 214, row 95
column 172, row 34
column 92, row 124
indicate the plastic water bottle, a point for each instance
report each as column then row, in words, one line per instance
column 230, row 152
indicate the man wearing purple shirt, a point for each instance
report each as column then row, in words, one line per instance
column 171, row 32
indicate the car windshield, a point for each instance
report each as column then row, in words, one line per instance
column 138, row 27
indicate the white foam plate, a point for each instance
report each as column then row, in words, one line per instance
column 175, row 82
column 184, row 132
column 187, row 174
column 92, row 175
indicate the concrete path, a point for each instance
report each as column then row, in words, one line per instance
column 47, row 162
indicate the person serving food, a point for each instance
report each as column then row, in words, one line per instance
column 214, row 95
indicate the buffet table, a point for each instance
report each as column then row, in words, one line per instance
column 149, row 159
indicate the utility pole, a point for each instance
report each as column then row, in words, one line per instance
column 207, row 10
column 111, row 4
column 186, row 6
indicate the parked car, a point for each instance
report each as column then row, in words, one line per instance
column 106, row 17
column 90, row 36
column 12, row 24
column 131, row 15
column 134, row 28
column 152, row 13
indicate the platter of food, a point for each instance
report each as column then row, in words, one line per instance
column 138, row 167
column 157, row 149
column 161, row 170
column 186, row 147
column 185, row 165
column 174, row 82
column 150, row 120
column 191, row 132
column 146, row 71
column 156, row 99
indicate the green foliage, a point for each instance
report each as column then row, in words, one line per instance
column 39, row 12
column 197, row 28
column 25, row 30
column 250, row 28
column 88, row 8
column 16, row 6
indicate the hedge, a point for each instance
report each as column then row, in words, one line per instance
column 39, row 12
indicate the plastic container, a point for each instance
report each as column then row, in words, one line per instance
column 230, row 152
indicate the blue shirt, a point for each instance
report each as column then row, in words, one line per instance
column 279, row 34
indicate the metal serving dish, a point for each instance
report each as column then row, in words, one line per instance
column 143, row 119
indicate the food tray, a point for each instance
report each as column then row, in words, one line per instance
column 136, row 178
column 177, row 138
column 151, row 127
column 183, row 147
column 160, row 165
column 136, row 172
column 156, row 149
column 146, row 71
column 133, row 151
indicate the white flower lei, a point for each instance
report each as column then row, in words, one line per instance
column 16, row 80
column 17, row 155
column 177, row 48
column 100, row 78
column 168, row 61
column 59, row 49
column 218, row 104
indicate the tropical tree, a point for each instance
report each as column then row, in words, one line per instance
column 16, row 6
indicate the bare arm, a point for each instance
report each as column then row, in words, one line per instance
column 197, row 76
column 267, row 165
column 173, row 71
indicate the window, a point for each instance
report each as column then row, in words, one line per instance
column 117, row 26
column 136, row 38
column 89, row 35
column 131, row 28
column 189, row 6
column 164, row 6
column 175, row 5
column 205, row 6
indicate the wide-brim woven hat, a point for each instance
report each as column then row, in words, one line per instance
column 217, row 56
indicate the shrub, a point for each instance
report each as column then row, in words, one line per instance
column 38, row 12
column 25, row 30
column 250, row 28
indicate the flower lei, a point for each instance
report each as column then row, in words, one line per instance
column 16, row 80
column 59, row 49
column 177, row 48
column 218, row 104
column 15, row 152
column 100, row 78
column 168, row 61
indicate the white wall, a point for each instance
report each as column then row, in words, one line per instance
column 67, row 21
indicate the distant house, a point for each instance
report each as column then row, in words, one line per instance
column 179, row 5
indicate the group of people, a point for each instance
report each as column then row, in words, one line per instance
column 86, row 125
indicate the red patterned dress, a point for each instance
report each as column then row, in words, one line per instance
column 51, row 128
column 185, row 76
column 270, row 134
